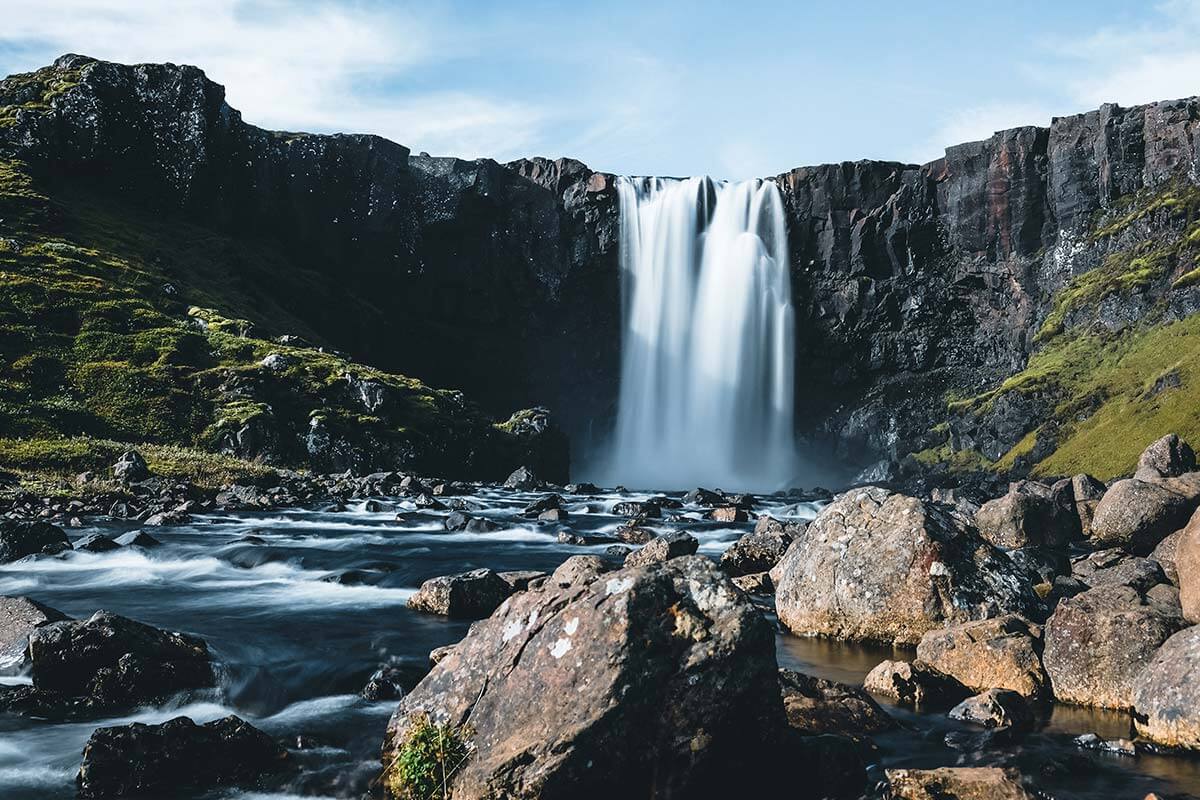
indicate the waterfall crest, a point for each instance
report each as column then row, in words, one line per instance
column 706, row 396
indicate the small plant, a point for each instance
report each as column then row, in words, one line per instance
column 428, row 757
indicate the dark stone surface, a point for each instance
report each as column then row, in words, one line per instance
column 19, row 538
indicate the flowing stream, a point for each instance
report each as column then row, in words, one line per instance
column 300, row 607
column 707, row 354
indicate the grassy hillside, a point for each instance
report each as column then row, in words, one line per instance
column 118, row 326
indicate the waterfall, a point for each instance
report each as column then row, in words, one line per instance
column 706, row 396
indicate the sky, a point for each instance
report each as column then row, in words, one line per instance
column 731, row 89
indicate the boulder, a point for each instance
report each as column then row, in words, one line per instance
column 553, row 690
column 578, row 570
column 160, row 760
column 1187, row 568
column 758, row 551
column 995, row 708
column 880, row 566
column 815, row 706
column 131, row 467
column 668, row 546
column 1166, row 694
column 1136, row 515
column 957, row 783
column 1086, row 493
column 522, row 479
column 755, row 583
column 522, row 579
column 1115, row 567
column 542, row 504
column 116, row 661
column 386, row 683
column 469, row 595
column 634, row 534
column 137, row 539
column 1168, row 457
column 999, row 653
column 458, row 521
column 21, row 538
column 19, row 617
column 1028, row 515
column 637, row 509
column 1165, row 554
column 1098, row 641
column 96, row 543
column 913, row 683
column 728, row 514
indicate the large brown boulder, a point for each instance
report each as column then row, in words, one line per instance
column 1029, row 515
column 761, row 549
column 1166, row 694
column 19, row 617
column 880, row 566
column 1086, row 493
column 1136, row 515
column 1097, row 642
column 913, row 683
column 999, row 653
column 1187, row 569
column 815, row 706
column 957, row 783
column 1168, row 457
column 656, row 680
column 470, row 595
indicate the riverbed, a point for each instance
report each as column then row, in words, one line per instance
column 300, row 607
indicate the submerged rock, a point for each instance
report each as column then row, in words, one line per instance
column 559, row 684
column 1097, row 642
column 995, row 708
column 19, row 538
column 469, row 595
column 815, row 705
column 913, row 683
column 159, row 760
column 879, row 566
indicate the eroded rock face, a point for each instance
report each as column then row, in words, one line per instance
column 1097, row 642
column 19, row 538
column 470, row 595
column 961, row 783
column 149, row 760
column 1000, row 653
column 1166, row 694
column 879, row 566
column 561, row 679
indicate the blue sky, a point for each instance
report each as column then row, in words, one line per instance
column 673, row 88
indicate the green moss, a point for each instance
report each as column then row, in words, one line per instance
column 1180, row 197
column 426, row 760
column 958, row 460
column 1190, row 278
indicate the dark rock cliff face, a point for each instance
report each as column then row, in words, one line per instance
column 502, row 280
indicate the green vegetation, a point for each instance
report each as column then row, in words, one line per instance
column 428, row 757
column 34, row 91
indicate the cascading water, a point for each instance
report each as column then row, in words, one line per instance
column 706, row 392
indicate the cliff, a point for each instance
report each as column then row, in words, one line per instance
column 1023, row 303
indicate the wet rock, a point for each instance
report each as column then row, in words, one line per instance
column 640, row 510
column 1091, row 741
column 547, row 503
column 1187, row 567
column 115, row 661
column 386, row 683
column 157, row 760
column 634, row 534
column 20, row 538
column 19, row 617
column 1098, row 641
column 704, row 497
column 131, row 467
column 96, row 543
column 581, row 488
column 913, row 683
column 137, row 539
column 578, row 570
column 553, row 515
column 427, row 502
column 470, row 595
column 522, row 479
column 1136, row 515
column 566, row 537
column 879, row 566
column 815, row 705
column 760, row 550
column 668, row 546
column 459, row 521
column 1169, row 457
column 729, row 514
column 557, row 684
column 999, row 653
column 995, row 708
column 1166, row 694
column 959, row 783
column 755, row 583
column 1029, row 515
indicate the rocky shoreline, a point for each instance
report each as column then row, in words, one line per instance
column 651, row 669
